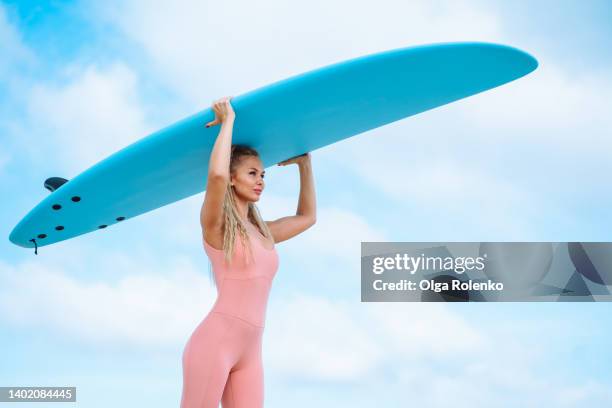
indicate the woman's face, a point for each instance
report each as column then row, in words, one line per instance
column 248, row 179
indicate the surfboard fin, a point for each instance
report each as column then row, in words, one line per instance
column 53, row 183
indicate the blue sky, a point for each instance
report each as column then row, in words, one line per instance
column 110, row 312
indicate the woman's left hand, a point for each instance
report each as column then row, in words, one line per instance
column 302, row 158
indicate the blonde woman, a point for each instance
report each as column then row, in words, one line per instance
column 222, row 359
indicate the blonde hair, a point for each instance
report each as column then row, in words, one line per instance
column 233, row 226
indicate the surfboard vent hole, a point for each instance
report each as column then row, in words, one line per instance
column 102, row 226
column 59, row 228
column 120, row 218
column 56, row 206
column 41, row 236
column 76, row 199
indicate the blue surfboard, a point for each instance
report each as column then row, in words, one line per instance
column 280, row 120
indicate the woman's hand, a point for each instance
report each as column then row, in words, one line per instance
column 223, row 111
column 302, row 158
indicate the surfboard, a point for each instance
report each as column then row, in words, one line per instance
column 280, row 120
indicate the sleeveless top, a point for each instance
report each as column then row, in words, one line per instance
column 243, row 289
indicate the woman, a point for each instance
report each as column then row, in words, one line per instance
column 222, row 359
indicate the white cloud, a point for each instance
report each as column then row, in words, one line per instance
column 552, row 106
column 12, row 48
column 312, row 337
column 582, row 394
column 95, row 114
column 203, row 49
column 336, row 232
column 435, row 176
column 422, row 331
column 316, row 338
column 425, row 350
column 156, row 305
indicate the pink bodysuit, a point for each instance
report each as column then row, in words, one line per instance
column 222, row 360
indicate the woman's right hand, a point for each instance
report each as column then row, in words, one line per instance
column 223, row 111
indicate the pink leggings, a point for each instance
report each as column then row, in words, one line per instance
column 222, row 362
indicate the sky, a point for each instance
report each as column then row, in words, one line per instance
column 110, row 312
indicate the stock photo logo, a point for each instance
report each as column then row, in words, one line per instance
column 487, row 271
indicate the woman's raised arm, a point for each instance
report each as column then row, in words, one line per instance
column 211, row 214
column 306, row 213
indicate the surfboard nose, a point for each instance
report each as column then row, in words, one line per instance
column 53, row 183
